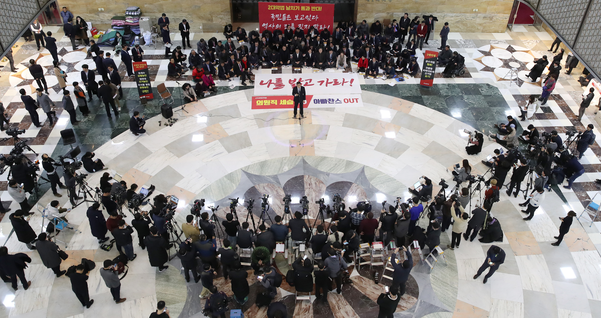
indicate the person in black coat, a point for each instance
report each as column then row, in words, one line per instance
column 495, row 256
column 97, row 222
column 106, row 94
column 299, row 94
column 90, row 164
column 134, row 124
column 48, row 252
column 115, row 79
column 388, row 303
column 519, row 173
column 299, row 230
column 401, row 271
column 277, row 309
column 88, row 78
column 140, row 223
column 99, row 61
column 157, row 249
column 137, row 53
column 493, row 232
column 239, row 283
column 166, row 40
column 187, row 255
column 265, row 238
column 23, row 230
column 586, row 139
column 37, row 72
column 13, row 266
column 69, row 30
column 318, row 241
column 79, row 284
column 51, row 46
column 31, row 107
column 322, row 281
column 126, row 59
column 184, row 29
column 564, row 228
column 475, row 223
column 373, row 68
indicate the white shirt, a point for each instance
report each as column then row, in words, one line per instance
column 536, row 198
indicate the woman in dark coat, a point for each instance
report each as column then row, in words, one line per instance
column 538, row 68
column 13, row 266
column 493, row 233
column 23, row 230
column 49, row 254
column 157, row 249
column 97, row 222
column 564, row 228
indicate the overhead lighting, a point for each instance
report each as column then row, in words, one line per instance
column 456, row 113
column 197, row 138
column 385, row 113
column 380, row 197
column 390, row 134
column 352, row 198
column 568, row 272
column 295, row 200
column 201, row 119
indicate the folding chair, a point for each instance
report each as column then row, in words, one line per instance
column 165, row 94
column 594, row 206
column 68, row 136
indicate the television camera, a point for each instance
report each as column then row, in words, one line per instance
column 197, row 207
column 305, row 204
column 286, row 201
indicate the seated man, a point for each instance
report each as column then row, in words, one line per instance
column 136, row 124
column 493, row 232
column 445, row 56
column 426, row 189
column 502, row 128
column 585, row 80
column 90, row 164
column 362, row 64
column 373, row 68
column 454, row 64
column 201, row 89
column 413, row 68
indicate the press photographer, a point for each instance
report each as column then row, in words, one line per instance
column 136, row 123
column 462, row 173
column 475, row 142
column 586, row 139
column 90, row 164
column 49, row 165
column 424, row 191
column 17, row 192
column 24, row 171
column 530, row 135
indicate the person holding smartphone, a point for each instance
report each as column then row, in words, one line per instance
column 111, row 279
column 388, row 302
column 161, row 312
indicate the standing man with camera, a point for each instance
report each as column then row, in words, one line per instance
column 299, row 94
column 71, row 182
column 586, row 140
column 49, row 166
column 17, row 192
column 111, row 280
column 123, row 238
column 25, row 234
column 31, row 107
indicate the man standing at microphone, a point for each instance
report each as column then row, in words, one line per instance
column 299, row 98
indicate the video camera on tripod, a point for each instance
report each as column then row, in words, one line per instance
column 338, row 203
column 265, row 201
column 197, row 207
column 286, row 201
column 305, row 204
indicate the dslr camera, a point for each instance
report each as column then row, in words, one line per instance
column 197, row 207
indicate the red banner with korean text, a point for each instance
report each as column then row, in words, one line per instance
column 429, row 68
column 143, row 80
column 276, row 15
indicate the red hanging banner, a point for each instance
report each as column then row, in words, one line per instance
column 276, row 15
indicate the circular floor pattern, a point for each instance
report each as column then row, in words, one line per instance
column 492, row 61
column 74, row 56
column 501, row 53
column 523, row 57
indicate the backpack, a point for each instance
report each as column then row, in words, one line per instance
column 277, row 281
column 592, row 139
column 495, row 195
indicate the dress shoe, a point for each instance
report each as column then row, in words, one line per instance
column 476, row 276
column 61, row 273
column 90, row 303
column 450, row 247
column 58, row 195
column 62, row 186
column 523, row 204
column 556, row 237
column 555, row 244
column 508, row 192
column 28, row 284
column 485, row 280
column 524, row 211
column 569, row 188
column 121, row 300
column 526, row 219
column 515, row 195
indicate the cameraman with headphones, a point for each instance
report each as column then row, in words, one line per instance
column 48, row 164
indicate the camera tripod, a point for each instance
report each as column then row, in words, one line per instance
column 322, row 208
column 250, row 215
column 529, row 183
column 175, row 233
column 264, row 211
column 478, row 188
column 215, row 220
column 571, row 143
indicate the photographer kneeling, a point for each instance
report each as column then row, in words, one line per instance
column 90, row 164
column 510, row 138
column 530, row 136
column 425, row 190
column 475, row 143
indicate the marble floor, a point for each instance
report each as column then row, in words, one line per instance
column 221, row 149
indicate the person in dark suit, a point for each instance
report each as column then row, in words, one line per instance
column 134, row 124
column 209, row 68
column 69, row 30
column 100, row 68
column 88, row 78
column 51, row 46
column 242, row 71
column 97, row 222
column 184, row 30
column 299, row 94
column 309, row 58
column 12, row 266
column 163, row 21
column 373, row 68
column 564, row 227
column 37, row 72
column 157, row 249
column 106, row 94
column 79, row 284
column 166, row 40
column 430, row 24
column 137, row 53
column 31, row 107
column 69, row 107
column 126, row 59
column 115, row 79
column 444, row 35
column 94, row 48
column 494, row 258
column 108, row 61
